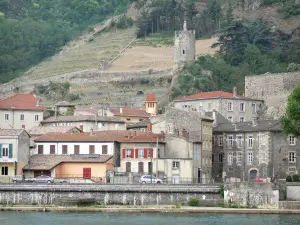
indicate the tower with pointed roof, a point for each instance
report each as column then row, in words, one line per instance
column 184, row 46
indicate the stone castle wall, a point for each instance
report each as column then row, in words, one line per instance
column 274, row 89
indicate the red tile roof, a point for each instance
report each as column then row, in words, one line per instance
column 151, row 98
column 213, row 94
column 21, row 102
column 131, row 112
column 101, row 136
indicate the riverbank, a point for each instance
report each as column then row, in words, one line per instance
column 149, row 209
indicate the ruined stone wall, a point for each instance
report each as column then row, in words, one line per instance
column 274, row 89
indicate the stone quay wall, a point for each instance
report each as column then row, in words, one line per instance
column 106, row 194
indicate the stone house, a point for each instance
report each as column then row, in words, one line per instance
column 188, row 137
column 20, row 111
column 14, row 155
column 144, row 125
column 85, row 123
column 64, row 108
column 252, row 150
column 233, row 107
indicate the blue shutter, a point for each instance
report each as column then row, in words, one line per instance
column 1, row 150
column 10, row 154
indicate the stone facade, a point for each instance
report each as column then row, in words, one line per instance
column 184, row 46
column 273, row 89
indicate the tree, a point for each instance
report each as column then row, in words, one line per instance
column 291, row 120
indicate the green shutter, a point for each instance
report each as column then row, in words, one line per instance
column 10, row 154
column 1, row 150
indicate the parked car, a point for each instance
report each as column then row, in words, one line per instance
column 21, row 179
column 148, row 179
column 43, row 179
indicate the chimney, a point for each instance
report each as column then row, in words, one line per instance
column 81, row 127
column 149, row 127
column 214, row 116
column 254, row 121
column 121, row 110
column 91, row 132
column 234, row 92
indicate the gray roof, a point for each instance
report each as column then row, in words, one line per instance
column 82, row 118
column 261, row 125
column 45, row 130
column 11, row 132
column 220, row 118
column 140, row 124
column 64, row 103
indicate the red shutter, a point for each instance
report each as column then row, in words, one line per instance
column 136, row 153
column 145, row 153
column 151, row 153
column 132, row 153
column 123, row 153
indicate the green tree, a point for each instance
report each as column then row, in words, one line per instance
column 291, row 120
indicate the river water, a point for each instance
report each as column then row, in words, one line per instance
column 102, row 218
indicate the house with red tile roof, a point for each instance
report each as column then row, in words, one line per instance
column 232, row 106
column 20, row 111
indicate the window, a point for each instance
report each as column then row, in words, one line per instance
column 242, row 119
column 212, row 158
column 150, row 153
column 128, row 153
column 150, row 166
column 242, row 107
column 40, row 149
column 52, row 149
column 220, row 157
column 104, row 149
column 5, row 151
column 76, row 149
column 250, row 158
column 292, row 140
column 230, row 158
column 175, row 165
column 220, row 140
column 92, row 149
column 141, row 167
column 6, row 118
column 230, row 141
column 253, row 108
column 250, row 142
column 213, row 140
column 4, row 171
column 229, row 118
column 239, row 158
column 128, row 119
column 292, row 157
column 209, row 106
column 229, row 106
column 128, row 167
column 22, row 117
column 65, row 149
column 183, row 52
column 36, row 118
column 141, row 153
column 239, row 141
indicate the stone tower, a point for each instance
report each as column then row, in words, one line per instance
column 184, row 46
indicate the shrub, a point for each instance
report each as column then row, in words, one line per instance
column 296, row 178
column 289, row 179
column 73, row 97
column 194, row 202
column 222, row 191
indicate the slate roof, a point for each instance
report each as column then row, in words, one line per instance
column 262, row 125
column 219, row 117
column 47, row 162
column 21, row 102
column 213, row 94
column 11, row 132
column 130, row 112
column 45, row 130
column 82, row 118
column 102, row 136
column 140, row 124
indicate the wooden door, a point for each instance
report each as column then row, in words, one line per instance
column 87, row 173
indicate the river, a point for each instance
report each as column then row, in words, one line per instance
column 51, row 218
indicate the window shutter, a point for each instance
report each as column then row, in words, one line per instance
column 1, row 150
column 136, row 153
column 145, row 153
column 151, row 152
column 132, row 153
column 10, row 151
column 123, row 153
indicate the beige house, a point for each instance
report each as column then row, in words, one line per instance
column 14, row 152
column 20, row 111
column 86, row 123
column 233, row 107
column 188, row 149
